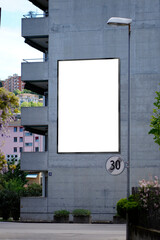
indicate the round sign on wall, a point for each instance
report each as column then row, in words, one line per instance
column 115, row 165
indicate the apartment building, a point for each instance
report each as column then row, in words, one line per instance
column 17, row 140
column 71, row 31
column 13, row 83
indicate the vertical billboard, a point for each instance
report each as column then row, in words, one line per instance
column 88, row 106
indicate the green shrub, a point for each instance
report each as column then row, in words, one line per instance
column 17, row 173
column 10, row 199
column 14, row 185
column 33, row 190
column 131, row 206
column 5, row 203
column 9, row 204
column 15, row 205
column 81, row 212
column 123, row 206
column 61, row 213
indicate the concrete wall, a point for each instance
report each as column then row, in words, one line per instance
column 33, row 209
column 78, row 30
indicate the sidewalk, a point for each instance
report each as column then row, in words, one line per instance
column 50, row 231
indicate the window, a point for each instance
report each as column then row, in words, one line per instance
column 36, row 149
column 36, row 139
column 28, row 134
column 20, row 149
column 15, row 129
column 21, row 139
column 15, row 149
column 15, row 139
column 28, row 144
column 21, row 129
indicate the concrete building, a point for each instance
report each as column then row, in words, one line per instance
column 72, row 30
column 13, row 83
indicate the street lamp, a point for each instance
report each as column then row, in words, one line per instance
column 126, row 22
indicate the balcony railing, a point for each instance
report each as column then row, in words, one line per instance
column 34, row 116
column 34, row 70
column 34, row 161
column 35, row 15
column 35, row 32
column 34, row 60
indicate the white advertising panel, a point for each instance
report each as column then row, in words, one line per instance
column 88, row 106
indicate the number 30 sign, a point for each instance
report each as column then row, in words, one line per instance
column 115, row 165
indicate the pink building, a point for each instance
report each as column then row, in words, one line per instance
column 18, row 140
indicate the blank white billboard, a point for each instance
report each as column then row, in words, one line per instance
column 88, row 106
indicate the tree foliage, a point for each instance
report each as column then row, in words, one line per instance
column 31, row 104
column 17, row 92
column 8, row 105
column 155, row 120
column 12, row 172
column 12, row 187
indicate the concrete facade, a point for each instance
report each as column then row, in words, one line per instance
column 78, row 30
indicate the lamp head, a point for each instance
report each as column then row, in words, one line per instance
column 119, row 21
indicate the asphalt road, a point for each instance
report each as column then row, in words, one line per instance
column 50, row 231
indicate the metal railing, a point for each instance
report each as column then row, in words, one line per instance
column 32, row 14
column 34, row 60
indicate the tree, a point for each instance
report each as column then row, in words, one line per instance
column 8, row 103
column 13, row 186
column 12, row 182
column 155, row 120
column 25, row 104
column 27, row 91
column 3, row 164
column 31, row 104
column 15, row 173
column 17, row 92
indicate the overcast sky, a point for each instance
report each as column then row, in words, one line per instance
column 12, row 47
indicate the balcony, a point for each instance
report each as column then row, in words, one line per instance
column 35, row 75
column 42, row 4
column 34, row 161
column 35, row 32
column 35, row 119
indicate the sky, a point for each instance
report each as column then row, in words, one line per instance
column 12, row 47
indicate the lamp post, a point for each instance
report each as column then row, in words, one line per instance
column 126, row 22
